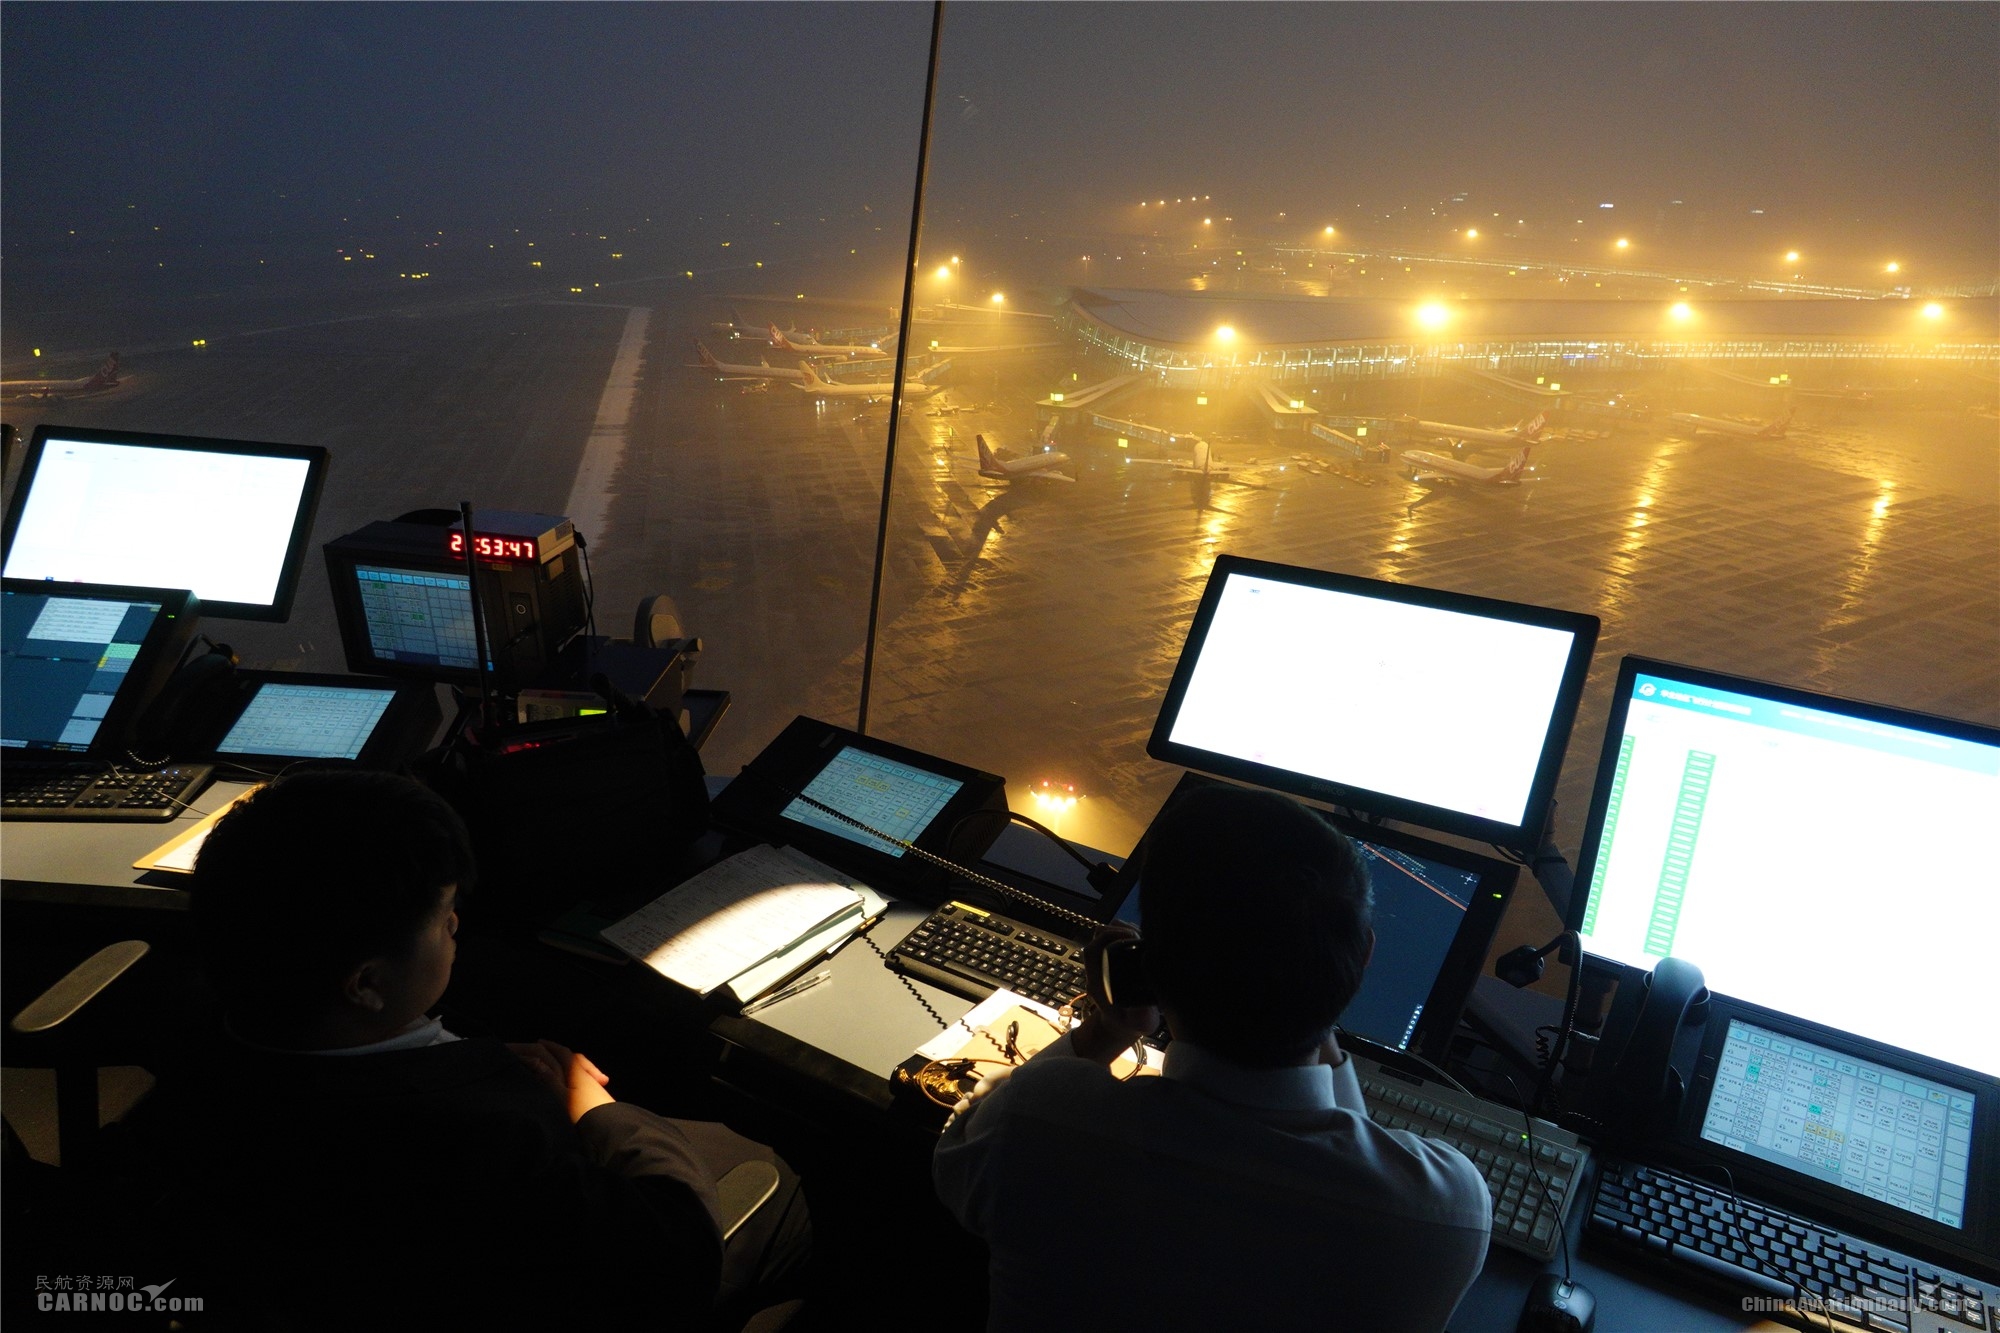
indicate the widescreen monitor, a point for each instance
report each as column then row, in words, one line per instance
column 226, row 518
column 78, row 663
column 1436, row 708
column 1817, row 856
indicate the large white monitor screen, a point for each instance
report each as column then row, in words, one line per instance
column 1823, row 859
column 227, row 522
column 1395, row 699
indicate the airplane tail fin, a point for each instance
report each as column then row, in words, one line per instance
column 1531, row 429
column 1776, row 430
column 707, row 358
column 1518, row 463
column 779, row 341
column 107, row 374
column 810, row 371
column 989, row 466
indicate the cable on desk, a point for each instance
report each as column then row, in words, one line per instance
column 1736, row 1225
column 1016, row 817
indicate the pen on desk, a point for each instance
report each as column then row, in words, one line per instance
column 861, row 929
column 799, row 987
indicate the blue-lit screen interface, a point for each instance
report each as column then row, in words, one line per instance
column 1415, row 702
column 309, row 721
column 418, row 616
column 1863, row 1126
column 1786, row 850
column 894, row 798
column 66, row 659
column 1419, row 906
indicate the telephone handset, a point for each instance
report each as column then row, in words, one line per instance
column 1646, row 1088
column 186, row 706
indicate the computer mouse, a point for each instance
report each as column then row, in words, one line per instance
column 1556, row 1305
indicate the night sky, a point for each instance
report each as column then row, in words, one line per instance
column 1864, row 128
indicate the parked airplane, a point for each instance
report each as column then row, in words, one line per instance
column 808, row 347
column 743, row 330
column 817, row 384
column 761, row 371
column 1201, row 464
column 105, row 378
column 1427, row 466
column 1042, row 464
column 1747, row 430
column 1525, row 432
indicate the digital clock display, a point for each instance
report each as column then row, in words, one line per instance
column 495, row 548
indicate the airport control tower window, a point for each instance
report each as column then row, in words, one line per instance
column 1512, row 305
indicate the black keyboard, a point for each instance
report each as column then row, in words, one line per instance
column 1799, row 1271
column 973, row 952
column 97, row 793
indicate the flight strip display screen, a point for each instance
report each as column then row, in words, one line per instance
column 1864, row 1126
column 419, row 617
column 308, row 721
column 66, row 658
column 892, row 797
column 1793, row 845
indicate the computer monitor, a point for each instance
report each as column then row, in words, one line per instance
column 1847, row 1129
column 926, row 801
column 1436, row 708
column 226, row 518
column 402, row 597
column 79, row 662
column 1817, row 856
column 1436, row 910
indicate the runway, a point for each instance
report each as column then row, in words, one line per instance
column 1030, row 627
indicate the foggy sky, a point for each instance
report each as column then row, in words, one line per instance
column 1854, row 124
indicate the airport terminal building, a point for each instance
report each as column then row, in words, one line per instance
column 1198, row 340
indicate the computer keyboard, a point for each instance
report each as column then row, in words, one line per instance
column 96, row 793
column 1531, row 1188
column 1811, row 1276
column 972, row 952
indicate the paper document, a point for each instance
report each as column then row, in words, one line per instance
column 179, row 853
column 758, row 906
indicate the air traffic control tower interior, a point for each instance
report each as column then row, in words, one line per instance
column 933, row 414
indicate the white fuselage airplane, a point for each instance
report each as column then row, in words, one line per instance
column 1427, row 466
column 105, row 378
column 1747, row 430
column 760, row 371
column 1201, row 464
column 818, row 385
column 1042, row 464
column 1525, row 432
column 859, row 352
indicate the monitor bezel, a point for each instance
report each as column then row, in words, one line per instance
column 1526, row 834
column 409, row 702
column 314, row 456
column 159, row 654
column 1798, row 1190
column 755, row 800
column 1632, row 666
column 1463, row 961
